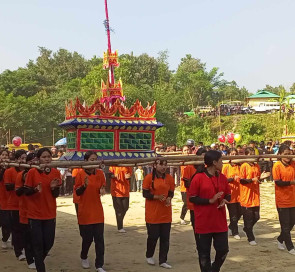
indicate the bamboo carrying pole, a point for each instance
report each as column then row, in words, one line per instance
column 171, row 160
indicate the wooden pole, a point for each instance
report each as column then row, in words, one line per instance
column 175, row 160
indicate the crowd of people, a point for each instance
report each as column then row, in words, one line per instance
column 28, row 200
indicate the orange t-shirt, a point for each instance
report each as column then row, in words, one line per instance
column 285, row 195
column 249, row 193
column 3, row 195
column 182, row 186
column 74, row 174
column 41, row 205
column 120, row 186
column 90, row 208
column 156, row 211
column 188, row 172
column 23, row 217
column 231, row 171
column 75, row 171
column 12, row 199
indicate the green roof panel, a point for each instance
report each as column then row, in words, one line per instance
column 264, row 94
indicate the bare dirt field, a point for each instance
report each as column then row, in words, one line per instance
column 126, row 252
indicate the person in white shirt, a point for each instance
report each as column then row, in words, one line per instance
column 139, row 177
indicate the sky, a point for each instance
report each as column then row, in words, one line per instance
column 251, row 41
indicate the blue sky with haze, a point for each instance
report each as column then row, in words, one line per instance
column 251, row 41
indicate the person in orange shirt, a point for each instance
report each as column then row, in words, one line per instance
column 13, row 204
column 158, row 190
column 250, row 177
column 188, row 174
column 232, row 173
column 185, row 151
column 120, row 188
column 4, row 214
column 284, row 176
column 75, row 197
column 23, row 218
column 42, row 189
column 90, row 186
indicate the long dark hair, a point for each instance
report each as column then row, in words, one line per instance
column 248, row 150
column 42, row 150
column 282, row 148
column 155, row 171
column 88, row 154
column 211, row 156
column 2, row 169
column 19, row 153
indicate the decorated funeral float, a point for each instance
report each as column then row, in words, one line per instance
column 107, row 126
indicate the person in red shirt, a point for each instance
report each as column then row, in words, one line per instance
column 4, row 213
column 284, row 177
column 158, row 190
column 250, row 176
column 120, row 188
column 209, row 191
column 13, row 204
column 90, row 186
column 23, row 218
column 42, row 189
column 185, row 151
column 232, row 172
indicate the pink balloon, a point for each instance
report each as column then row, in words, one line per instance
column 17, row 141
column 221, row 138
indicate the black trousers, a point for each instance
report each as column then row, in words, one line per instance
column 220, row 244
column 156, row 231
column 17, row 233
column 69, row 185
column 287, row 222
column 76, row 208
column 184, row 206
column 121, row 206
column 5, row 225
column 235, row 214
column 42, row 237
column 88, row 234
column 27, row 243
column 250, row 216
column 192, row 215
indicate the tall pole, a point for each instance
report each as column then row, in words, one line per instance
column 107, row 25
column 24, row 136
column 53, row 136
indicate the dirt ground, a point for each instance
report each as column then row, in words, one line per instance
column 126, row 252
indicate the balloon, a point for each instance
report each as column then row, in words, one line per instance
column 238, row 137
column 230, row 137
column 17, row 141
column 221, row 138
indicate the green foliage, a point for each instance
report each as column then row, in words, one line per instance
column 32, row 98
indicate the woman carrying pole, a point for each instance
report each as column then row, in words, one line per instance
column 250, row 177
column 284, row 177
column 209, row 191
column 42, row 189
column 232, row 172
column 158, row 190
column 90, row 186
column 4, row 213
column 120, row 190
